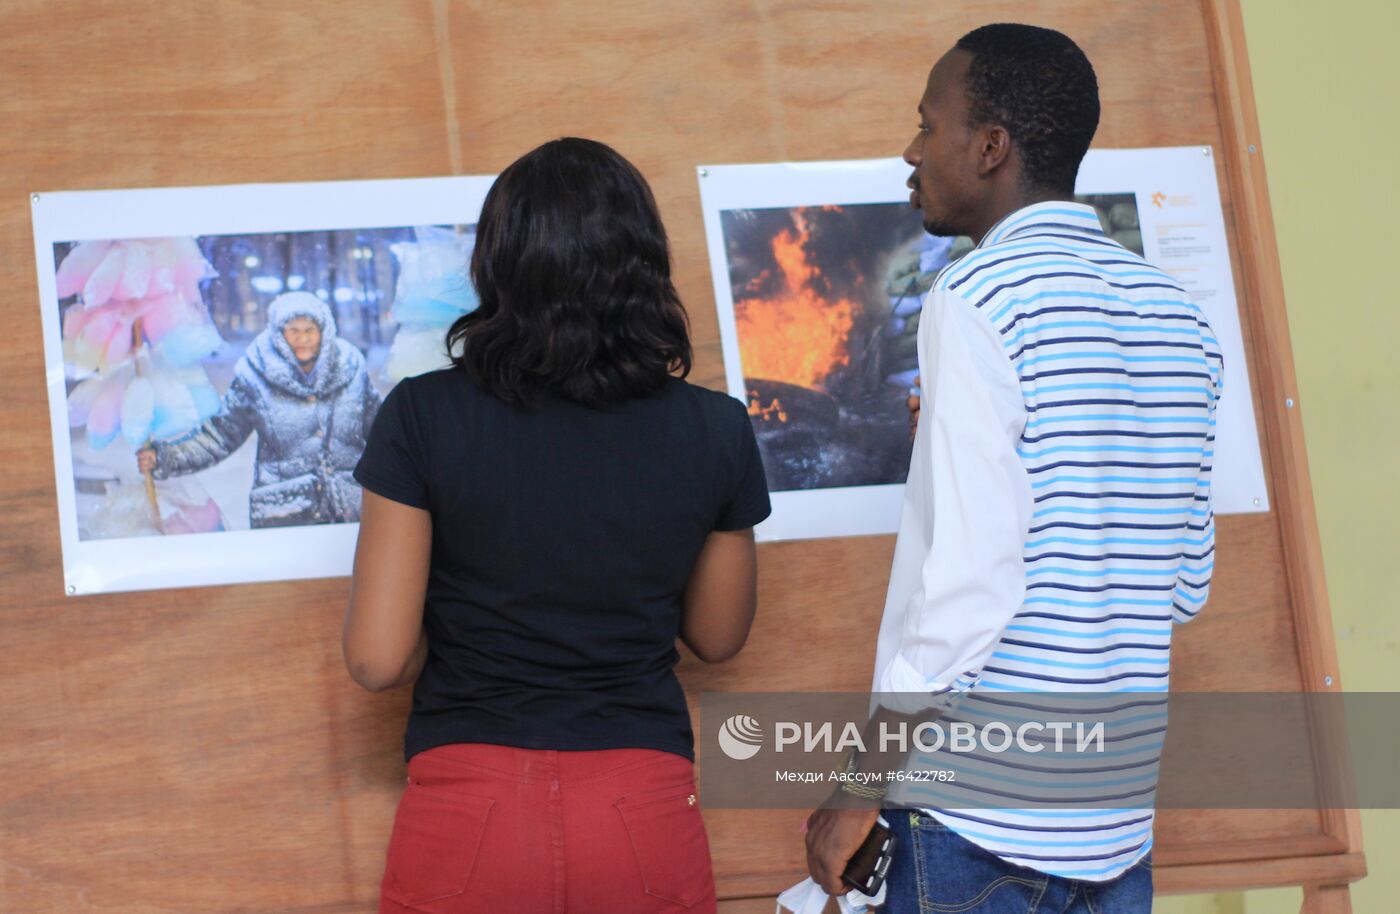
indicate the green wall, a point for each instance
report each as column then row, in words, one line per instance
column 1325, row 83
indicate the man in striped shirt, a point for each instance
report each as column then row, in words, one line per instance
column 1057, row 518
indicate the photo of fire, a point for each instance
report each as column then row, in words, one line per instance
column 826, row 312
column 826, row 300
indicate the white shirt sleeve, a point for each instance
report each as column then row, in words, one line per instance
column 967, row 512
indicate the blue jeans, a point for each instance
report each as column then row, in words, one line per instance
column 937, row 870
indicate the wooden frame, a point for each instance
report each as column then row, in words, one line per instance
column 1262, row 281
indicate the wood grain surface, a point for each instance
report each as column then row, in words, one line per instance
column 203, row 750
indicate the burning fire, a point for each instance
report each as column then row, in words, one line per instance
column 765, row 413
column 794, row 335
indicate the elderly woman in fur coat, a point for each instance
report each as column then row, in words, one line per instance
column 307, row 394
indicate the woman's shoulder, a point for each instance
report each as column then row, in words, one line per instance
column 716, row 402
column 446, row 387
column 449, row 377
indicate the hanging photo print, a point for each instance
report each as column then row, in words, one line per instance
column 216, row 357
column 820, row 270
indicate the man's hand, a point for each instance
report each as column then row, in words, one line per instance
column 833, row 837
column 913, row 404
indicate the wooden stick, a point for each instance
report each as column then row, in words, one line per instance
column 150, row 480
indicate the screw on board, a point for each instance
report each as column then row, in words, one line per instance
column 1288, row 402
column 1205, row 150
column 704, row 172
column 72, row 590
column 1256, row 502
column 1327, row 680
column 1253, row 149
column 33, row 198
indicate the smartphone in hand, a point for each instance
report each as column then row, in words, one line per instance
column 867, row 869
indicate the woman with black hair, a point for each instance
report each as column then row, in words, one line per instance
column 540, row 522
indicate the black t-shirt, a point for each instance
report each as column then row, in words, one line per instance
column 563, row 537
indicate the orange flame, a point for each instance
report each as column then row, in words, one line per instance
column 766, row 413
column 795, row 335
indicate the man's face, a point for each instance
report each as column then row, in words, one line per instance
column 304, row 337
column 943, row 152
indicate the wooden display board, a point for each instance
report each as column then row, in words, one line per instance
column 204, row 750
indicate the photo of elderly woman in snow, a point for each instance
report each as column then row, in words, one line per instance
column 227, row 382
column 307, row 394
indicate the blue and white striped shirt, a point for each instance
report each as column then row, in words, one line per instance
column 1057, row 521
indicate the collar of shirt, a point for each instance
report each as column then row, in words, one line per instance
column 1055, row 215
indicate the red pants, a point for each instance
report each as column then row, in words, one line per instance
column 483, row 829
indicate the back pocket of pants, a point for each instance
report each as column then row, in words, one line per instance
column 668, row 838
column 434, row 843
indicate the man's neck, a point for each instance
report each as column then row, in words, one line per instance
column 1003, row 206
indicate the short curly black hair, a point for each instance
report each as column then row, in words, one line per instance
column 1037, row 84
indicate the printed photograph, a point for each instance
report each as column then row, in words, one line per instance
column 1118, row 214
column 823, row 298
column 227, row 382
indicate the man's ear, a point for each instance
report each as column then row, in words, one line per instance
column 994, row 147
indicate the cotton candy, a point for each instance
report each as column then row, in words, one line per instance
column 437, row 301
column 75, row 318
column 78, row 265
column 81, row 399
column 118, row 345
column 416, row 351
column 140, row 302
column 163, row 257
column 188, row 344
column 92, row 342
column 104, row 419
column 176, row 411
column 432, row 292
column 138, row 411
column 194, row 380
column 189, row 266
column 206, row 400
column 103, row 281
column 164, row 314
column 136, row 276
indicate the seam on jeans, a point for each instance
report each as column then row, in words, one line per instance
column 916, row 846
column 1089, row 901
column 981, row 896
column 556, row 841
column 1035, row 902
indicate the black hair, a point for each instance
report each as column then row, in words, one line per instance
column 1037, row 84
column 573, row 271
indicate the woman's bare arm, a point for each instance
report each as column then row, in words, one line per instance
column 383, row 638
column 718, row 606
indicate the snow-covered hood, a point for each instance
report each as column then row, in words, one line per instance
column 273, row 360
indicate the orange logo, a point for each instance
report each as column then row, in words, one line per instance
column 1158, row 199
